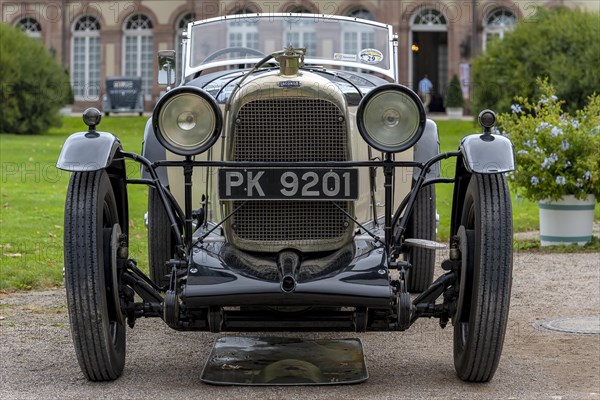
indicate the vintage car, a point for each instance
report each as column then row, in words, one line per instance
column 291, row 187
column 123, row 95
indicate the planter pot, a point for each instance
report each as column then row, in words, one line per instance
column 566, row 221
column 66, row 111
column 454, row 112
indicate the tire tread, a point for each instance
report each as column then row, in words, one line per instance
column 84, row 278
column 160, row 240
column 491, row 296
column 422, row 226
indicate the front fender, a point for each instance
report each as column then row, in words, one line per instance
column 426, row 148
column 153, row 151
column 487, row 154
column 88, row 151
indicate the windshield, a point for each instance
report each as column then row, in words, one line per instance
column 329, row 41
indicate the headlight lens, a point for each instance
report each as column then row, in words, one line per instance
column 187, row 121
column 391, row 118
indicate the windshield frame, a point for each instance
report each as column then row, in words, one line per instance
column 390, row 72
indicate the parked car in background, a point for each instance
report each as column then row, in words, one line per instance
column 291, row 187
column 123, row 95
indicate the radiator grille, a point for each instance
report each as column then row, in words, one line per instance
column 290, row 129
column 293, row 129
column 290, row 220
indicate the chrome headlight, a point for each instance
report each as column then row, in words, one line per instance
column 487, row 119
column 187, row 121
column 391, row 118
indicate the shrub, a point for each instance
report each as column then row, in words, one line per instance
column 560, row 44
column 557, row 153
column 454, row 96
column 33, row 86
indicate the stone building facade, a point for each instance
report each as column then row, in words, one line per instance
column 99, row 39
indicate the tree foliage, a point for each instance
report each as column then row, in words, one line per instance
column 33, row 86
column 559, row 44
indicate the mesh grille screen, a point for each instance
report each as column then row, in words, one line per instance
column 273, row 221
column 292, row 129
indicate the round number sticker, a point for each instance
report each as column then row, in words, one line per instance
column 371, row 56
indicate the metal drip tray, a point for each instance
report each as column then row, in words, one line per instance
column 278, row 361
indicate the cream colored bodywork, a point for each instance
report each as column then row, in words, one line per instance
column 311, row 85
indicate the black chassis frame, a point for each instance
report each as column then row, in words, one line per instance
column 361, row 298
column 226, row 295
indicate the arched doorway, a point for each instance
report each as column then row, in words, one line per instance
column 428, row 53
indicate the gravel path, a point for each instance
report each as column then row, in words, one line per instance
column 37, row 359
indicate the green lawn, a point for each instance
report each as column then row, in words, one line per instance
column 525, row 213
column 32, row 193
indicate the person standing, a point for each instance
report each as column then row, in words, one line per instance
column 425, row 87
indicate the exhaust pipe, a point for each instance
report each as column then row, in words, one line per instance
column 288, row 263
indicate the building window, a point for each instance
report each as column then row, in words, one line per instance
column 304, row 34
column 85, row 59
column 359, row 38
column 362, row 14
column 496, row 24
column 355, row 41
column 138, row 51
column 182, row 25
column 30, row 26
column 243, row 33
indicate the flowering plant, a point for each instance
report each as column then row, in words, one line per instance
column 557, row 154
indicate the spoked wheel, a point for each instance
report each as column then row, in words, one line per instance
column 486, row 276
column 421, row 225
column 161, row 241
column 92, row 279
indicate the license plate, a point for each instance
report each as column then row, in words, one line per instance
column 288, row 184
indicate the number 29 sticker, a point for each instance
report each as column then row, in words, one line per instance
column 371, row 56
